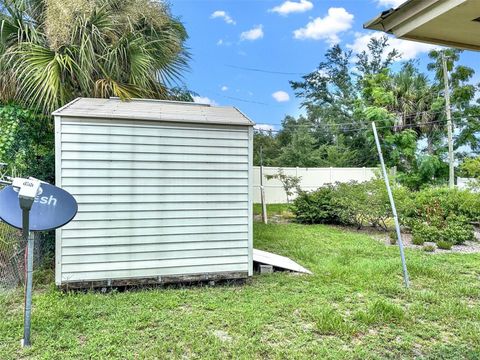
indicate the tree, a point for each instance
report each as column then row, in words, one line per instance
column 301, row 151
column 333, row 96
column 407, row 105
column 465, row 112
column 470, row 168
column 27, row 143
column 265, row 142
column 52, row 51
column 290, row 183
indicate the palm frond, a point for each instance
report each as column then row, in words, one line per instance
column 44, row 76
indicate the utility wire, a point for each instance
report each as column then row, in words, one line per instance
column 367, row 123
column 262, row 70
column 244, row 100
column 354, row 129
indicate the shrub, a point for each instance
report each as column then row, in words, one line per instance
column 392, row 235
column 290, row 183
column 429, row 248
column 423, row 233
column 444, row 245
column 417, row 240
column 344, row 203
column 364, row 203
column 433, row 214
column 27, row 143
column 317, row 207
column 457, row 232
column 435, row 205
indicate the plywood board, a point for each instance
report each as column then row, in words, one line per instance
column 265, row 257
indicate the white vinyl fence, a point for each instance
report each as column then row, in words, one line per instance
column 468, row 184
column 312, row 178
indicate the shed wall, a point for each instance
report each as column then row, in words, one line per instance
column 154, row 199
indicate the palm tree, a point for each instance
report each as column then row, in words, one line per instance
column 52, row 51
column 414, row 102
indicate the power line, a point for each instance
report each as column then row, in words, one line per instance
column 353, row 129
column 244, row 100
column 367, row 123
column 263, row 70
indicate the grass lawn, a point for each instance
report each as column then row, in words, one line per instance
column 353, row 307
column 272, row 209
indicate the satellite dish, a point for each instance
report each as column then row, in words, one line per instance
column 53, row 207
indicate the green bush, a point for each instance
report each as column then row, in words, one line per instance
column 455, row 230
column 429, row 248
column 27, row 142
column 444, row 245
column 433, row 214
column 362, row 204
column 352, row 203
column 417, row 240
column 317, row 207
column 422, row 233
column 435, row 205
column 443, row 215
column 392, row 235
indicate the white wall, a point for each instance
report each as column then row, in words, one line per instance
column 312, row 178
column 467, row 183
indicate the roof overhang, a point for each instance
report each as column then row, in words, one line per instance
column 454, row 23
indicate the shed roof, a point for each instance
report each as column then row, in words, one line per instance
column 153, row 110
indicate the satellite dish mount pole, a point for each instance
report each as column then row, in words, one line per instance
column 28, row 238
column 28, row 190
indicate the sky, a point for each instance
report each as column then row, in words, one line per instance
column 245, row 52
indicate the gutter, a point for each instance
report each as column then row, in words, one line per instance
column 389, row 19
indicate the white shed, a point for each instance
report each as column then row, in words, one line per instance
column 164, row 192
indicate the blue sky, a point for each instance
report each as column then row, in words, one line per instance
column 288, row 37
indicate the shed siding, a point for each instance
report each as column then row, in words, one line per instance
column 154, row 199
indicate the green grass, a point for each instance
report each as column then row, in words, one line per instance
column 272, row 209
column 353, row 307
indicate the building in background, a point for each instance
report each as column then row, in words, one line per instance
column 453, row 23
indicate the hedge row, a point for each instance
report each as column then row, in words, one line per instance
column 432, row 214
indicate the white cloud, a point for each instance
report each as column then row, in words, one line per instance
column 327, row 28
column 408, row 49
column 281, row 96
column 390, row 3
column 224, row 88
column 289, row 7
column 222, row 42
column 264, row 127
column 204, row 100
column 253, row 34
column 223, row 15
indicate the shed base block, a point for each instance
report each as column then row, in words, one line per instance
column 160, row 280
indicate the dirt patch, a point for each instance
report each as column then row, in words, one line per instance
column 276, row 218
column 222, row 336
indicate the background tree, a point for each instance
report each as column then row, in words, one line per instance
column 407, row 104
column 52, row 51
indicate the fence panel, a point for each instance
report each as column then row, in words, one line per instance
column 312, row 178
column 12, row 254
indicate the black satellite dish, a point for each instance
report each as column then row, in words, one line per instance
column 53, row 207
